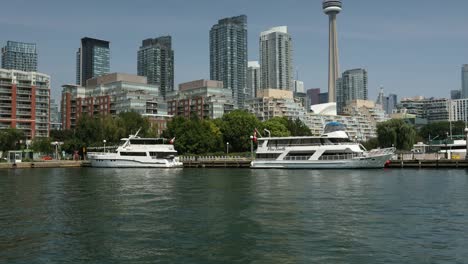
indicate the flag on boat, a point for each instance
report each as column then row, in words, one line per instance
column 254, row 138
column 172, row 140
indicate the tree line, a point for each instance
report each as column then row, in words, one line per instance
column 201, row 136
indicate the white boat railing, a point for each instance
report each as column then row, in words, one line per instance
column 297, row 158
column 283, row 147
column 340, row 157
column 379, row 152
column 212, row 158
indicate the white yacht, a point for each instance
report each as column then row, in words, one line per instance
column 136, row 152
column 332, row 150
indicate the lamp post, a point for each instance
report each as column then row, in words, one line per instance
column 56, row 150
column 466, row 141
column 104, row 141
column 446, row 145
column 227, row 148
column 251, row 146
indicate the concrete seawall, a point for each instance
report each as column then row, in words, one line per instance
column 42, row 164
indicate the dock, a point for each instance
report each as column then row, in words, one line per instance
column 439, row 163
column 238, row 163
column 42, row 164
column 215, row 162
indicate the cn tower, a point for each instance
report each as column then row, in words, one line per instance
column 332, row 8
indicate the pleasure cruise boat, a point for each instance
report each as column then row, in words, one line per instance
column 136, row 152
column 332, row 150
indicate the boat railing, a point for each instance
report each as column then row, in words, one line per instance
column 340, row 157
column 297, row 157
column 378, row 152
column 283, row 147
column 212, row 158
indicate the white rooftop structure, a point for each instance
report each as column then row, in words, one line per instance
column 324, row 109
column 280, row 29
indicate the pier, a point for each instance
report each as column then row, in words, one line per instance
column 215, row 162
column 439, row 163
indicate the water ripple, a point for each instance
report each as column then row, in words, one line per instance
column 233, row 216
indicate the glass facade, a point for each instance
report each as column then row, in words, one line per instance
column 19, row 56
column 156, row 62
column 351, row 86
column 93, row 59
column 228, row 56
column 276, row 59
column 464, row 81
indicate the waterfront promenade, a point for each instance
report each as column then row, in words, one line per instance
column 237, row 162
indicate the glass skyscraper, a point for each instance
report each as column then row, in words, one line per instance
column 19, row 56
column 228, row 56
column 276, row 59
column 253, row 79
column 351, row 86
column 156, row 62
column 93, row 59
column 464, row 90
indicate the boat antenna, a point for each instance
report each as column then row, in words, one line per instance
column 258, row 132
column 268, row 131
column 138, row 131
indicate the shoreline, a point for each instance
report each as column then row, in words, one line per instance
column 394, row 164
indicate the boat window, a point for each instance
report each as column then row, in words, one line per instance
column 339, row 140
column 139, row 154
column 162, row 155
column 144, row 141
column 300, row 153
column 268, row 156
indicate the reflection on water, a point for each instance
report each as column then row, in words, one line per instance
column 233, row 215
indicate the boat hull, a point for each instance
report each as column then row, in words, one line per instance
column 374, row 162
column 101, row 162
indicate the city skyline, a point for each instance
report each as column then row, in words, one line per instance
column 404, row 48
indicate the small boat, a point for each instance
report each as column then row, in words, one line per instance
column 136, row 152
column 331, row 150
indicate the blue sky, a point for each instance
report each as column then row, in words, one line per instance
column 409, row 47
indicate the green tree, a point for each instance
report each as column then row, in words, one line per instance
column 41, row 145
column 396, row 132
column 277, row 126
column 440, row 130
column 132, row 122
column 10, row 139
column 298, row 128
column 372, row 143
column 237, row 127
column 194, row 136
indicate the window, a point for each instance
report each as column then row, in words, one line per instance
column 137, row 154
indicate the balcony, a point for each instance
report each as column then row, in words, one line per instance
column 23, row 99
column 5, row 97
column 23, row 106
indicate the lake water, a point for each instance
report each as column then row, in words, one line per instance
column 233, row 216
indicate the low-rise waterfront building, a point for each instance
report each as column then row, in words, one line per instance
column 458, row 110
column 367, row 109
column 432, row 109
column 24, row 102
column 359, row 128
column 276, row 103
column 110, row 94
column 203, row 98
